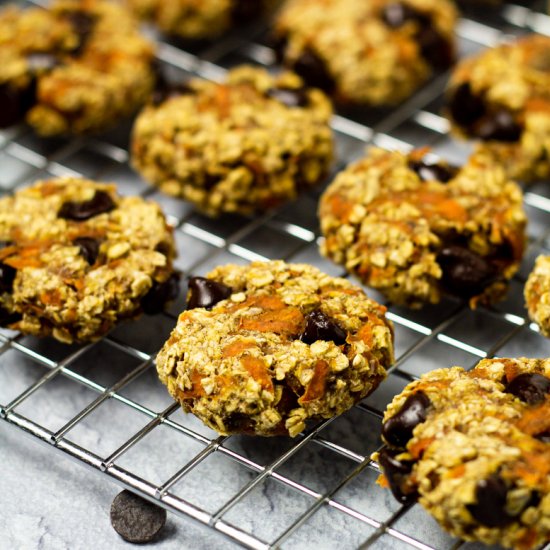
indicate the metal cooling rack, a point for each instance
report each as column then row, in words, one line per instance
column 324, row 479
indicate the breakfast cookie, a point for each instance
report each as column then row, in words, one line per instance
column 377, row 52
column 415, row 229
column 193, row 20
column 246, row 145
column 502, row 97
column 474, row 449
column 266, row 348
column 76, row 67
column 537, row 294
column 76, row 258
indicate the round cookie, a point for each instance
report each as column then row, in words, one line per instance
column 474, row 448
column 243, row 146
column 76, row 67
column 76, row 258
column 192, row 19
column 502, row 97
column 377, row 52
column 537, row 294
column 266, row 348
column 414, row 229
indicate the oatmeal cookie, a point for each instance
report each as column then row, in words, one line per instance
column 76, row 258
column 76, row 67
column 246, row 145
column 415, row 229
column 502, row 97
column 265, row 348
column 537, row 294
column 474, row 448
column 377, row 52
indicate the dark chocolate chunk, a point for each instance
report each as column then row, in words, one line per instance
column 83, row 24
column 89, row 248
column 7, row 276
column 313, row 70
column 435, row 48
column 206, row 292
column 490, row 508
column 500, row 126
column 396, row 14
column 239, row 423
column 530, row 387
column 160, row 294
column 39, row 62
column 136, row 519
column 397, row 473
column 433, row 172
column 398, row 429
column 100, row 203
column 465, row 107
column 14, row 103
column 288, row 400
column 465, row 274
column 9, row 317
column 321, row 327
column 291, row 97
column 245, row 11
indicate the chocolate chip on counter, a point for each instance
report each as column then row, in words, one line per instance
column 14, row 103
column 313, row 70
column 490, row 506
column 530, row 387
column 465, row 106
column 291, row 97
column 397, row 473
column 100, row 203
column 7, row 276
column 206, row 292
column 9, row 317
column 398, row 429
column 89, row 248
column 42, row 61
column 396, row 14
column 433, row 172
column 321, row 327
column 435, row 48
column 465, row 274
column 160, row 294
column 135, row 519
column 500, row 126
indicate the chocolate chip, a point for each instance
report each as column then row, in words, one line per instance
column 433, row 172
column 313, row 70
column 321, row 327
column 160, row 294
column 206, row 292
column 397, row 473
column 14, row 103
column 245, row 11
column 530, row 387
column 239, row 423
column 89, row 248
column 7, row 276
column 500, row 126
column 100, row 203
column 83, row 24
column 465, row 107
column 291, row 97
column 435, row 48
column 39, row 62
column 398, row 429
column 396, row 14
column 9, row 317
column 490, row 508
column 136, row 519
column 465, row 274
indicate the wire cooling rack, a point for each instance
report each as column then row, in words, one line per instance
column 102, row 405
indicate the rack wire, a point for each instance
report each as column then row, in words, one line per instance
column 102, row 405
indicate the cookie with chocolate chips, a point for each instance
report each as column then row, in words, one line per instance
column 267, row 348
column 474, row 449
column 75, row 67
column 76, row 258
column 501, row 98
column 245, row 145
column 377, row 52
column 415, row 228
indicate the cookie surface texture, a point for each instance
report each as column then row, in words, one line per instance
column 77, row 67
column 537, row 294
column 415, row 229
column 376, row 52
column 243, row 146
column 76, row 258
column 287, row 346
column 474, row 448
column 502, row 98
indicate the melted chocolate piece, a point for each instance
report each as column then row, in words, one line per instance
column 160, row 294
column 465, row 274
column 83, row 24
column 313, row 70
column 433, row 172
column 9, row 317
column 500, row 126
column 398, row 429
column 490, row 508
column 530, row 387
column 239, row 423
column 100, row 203
column 206, row 292
column 321, row 327
column 289, row 96
column 397, row 473
column 89, row 248
column 435, row 48
column 465, row 107
column 7, row 276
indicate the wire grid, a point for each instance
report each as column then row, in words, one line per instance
column 320, row 473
